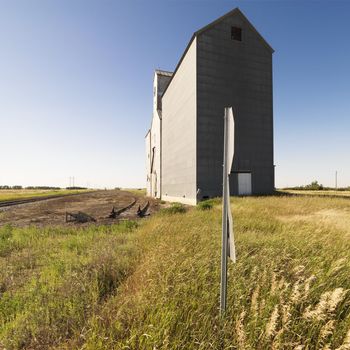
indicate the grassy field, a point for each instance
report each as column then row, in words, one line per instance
column 6, row 195
column 318, row 192
column 137, row 191
column 155, row 285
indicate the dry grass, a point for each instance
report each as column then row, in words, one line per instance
column 159, row 284
column 318, row 192
column 137, row 191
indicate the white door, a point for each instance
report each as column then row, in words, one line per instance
column 244, row 184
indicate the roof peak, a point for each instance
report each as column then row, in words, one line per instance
column 236, row 10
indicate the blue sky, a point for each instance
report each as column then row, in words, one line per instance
column 76, row 85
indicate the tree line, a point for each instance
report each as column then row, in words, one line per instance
column 18, row 187
column 315, row 186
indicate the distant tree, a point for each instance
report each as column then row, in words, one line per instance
column 314, row 186
column 42, row 188
column 76, row 188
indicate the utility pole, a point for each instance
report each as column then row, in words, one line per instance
column 336, row 179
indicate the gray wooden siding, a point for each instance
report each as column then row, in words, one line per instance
column 237, row 74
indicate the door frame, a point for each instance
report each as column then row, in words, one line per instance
column 237, row 181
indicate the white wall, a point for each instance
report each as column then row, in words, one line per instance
column 179, row 133
column 148, row 147
column 155, row 143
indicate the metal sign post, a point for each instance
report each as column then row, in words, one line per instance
column 223, row 285
column 228, row 247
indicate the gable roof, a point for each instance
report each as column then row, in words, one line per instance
column 228, row 14
column 212, row 24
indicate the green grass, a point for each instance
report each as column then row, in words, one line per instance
column 174, row 208
column 208, row 204
column 6, row 195
column 156, row 286
column 52, row 280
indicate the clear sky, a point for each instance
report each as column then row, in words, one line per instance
column 76, row 85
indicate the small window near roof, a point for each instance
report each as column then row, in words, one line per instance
column 236, row 33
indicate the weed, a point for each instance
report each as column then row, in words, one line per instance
column 175, row 208
column 205, row 205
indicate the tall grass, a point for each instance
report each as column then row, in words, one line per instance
column 159, row 284
column 52, row 280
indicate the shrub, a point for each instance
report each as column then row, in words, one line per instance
column 314, row 186
column 205, row 205
column 175, row 208
column 76, row 188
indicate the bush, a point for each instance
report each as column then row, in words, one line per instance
column 314, row 186
column 175, row 208
column 76, row 188
column 42, row 188
column 205, row 205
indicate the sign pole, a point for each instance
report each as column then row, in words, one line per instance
column 228, row 240
column 223, row 285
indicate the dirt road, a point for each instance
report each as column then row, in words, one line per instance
column 96, row 204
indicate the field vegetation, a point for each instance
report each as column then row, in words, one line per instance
column 332, row 193
column 315, row 186
column 155, row 284
column 12, row 194
column 136, row 191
